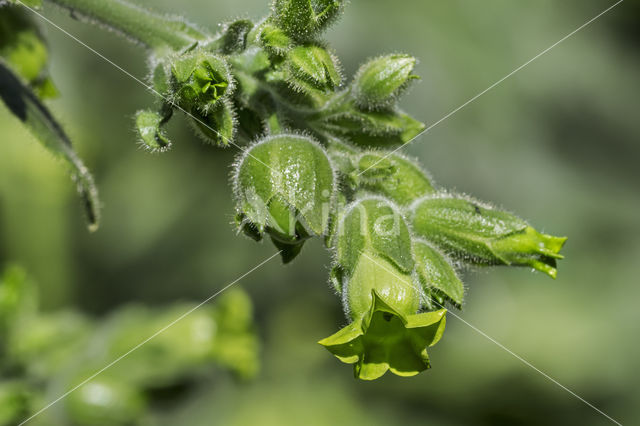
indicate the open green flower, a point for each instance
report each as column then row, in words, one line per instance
column 374, row 271
column 384, row 339
column 200, row 79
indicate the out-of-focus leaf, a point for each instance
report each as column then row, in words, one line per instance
column 26, row 106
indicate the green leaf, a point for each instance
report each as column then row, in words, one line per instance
column 385, row 339
column 151, row 134
column 18, row 302
column 394, row 176
column 284, row 185
column 119, row 403
column 26, row 106
column 437, row 276
column 482, row 235
column 15, row 400
column 236, row 345
column 379, row 82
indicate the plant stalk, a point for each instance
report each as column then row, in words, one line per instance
column 142, row 26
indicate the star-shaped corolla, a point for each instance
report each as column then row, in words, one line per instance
column 385, row 339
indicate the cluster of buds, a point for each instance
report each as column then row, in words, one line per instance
column 316, row 161
column 321, row 166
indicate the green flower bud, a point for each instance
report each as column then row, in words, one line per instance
column 305, row 19
column 152, row 136
column 234, row 39
column 24, row 49
column 218, row 125
column 374, row 266
column 105, row 401
column 274, row 39
column 482, row 235
column 394, row 176
column 313, row 65
column 380, row 81
column 200, row 79
column 437, row 276
column 376, row 129
column 284, row 186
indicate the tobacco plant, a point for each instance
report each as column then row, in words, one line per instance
column 317, row 159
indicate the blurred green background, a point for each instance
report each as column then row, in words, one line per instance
column 558, row 143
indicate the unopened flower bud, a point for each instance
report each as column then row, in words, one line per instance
column 380, row 81
column 284, row 186
column 483, row 235
column 274, row 39
column 374, row 129
column 305, row 19
column 314, row 65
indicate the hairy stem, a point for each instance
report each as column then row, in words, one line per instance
column 152, row 30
